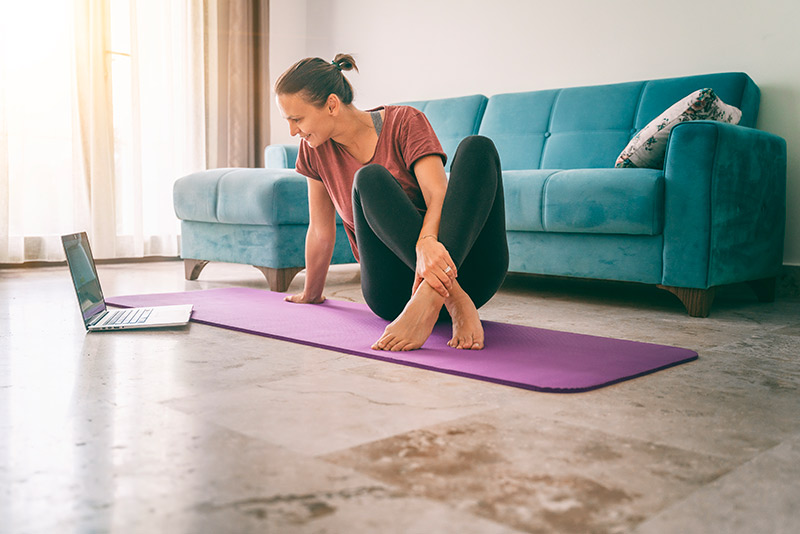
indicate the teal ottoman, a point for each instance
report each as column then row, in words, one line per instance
column 257, row 217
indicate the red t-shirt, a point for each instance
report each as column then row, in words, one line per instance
column 406, row 136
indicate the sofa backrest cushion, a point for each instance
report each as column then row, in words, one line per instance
column 452, row 119
column 734, row 88
column 587, row 127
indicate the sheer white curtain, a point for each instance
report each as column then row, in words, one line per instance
column 101, row 110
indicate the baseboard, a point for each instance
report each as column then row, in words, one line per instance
column 109, row 261
column 789, row 282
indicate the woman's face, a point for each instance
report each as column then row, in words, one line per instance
column 312, row 123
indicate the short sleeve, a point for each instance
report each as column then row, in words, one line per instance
column 304, row 164
column 417, row 138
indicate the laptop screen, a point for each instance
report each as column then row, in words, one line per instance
column 84, row 274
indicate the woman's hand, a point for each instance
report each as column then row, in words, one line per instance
column 434, row 265
column 302, row 298
column 320, row 240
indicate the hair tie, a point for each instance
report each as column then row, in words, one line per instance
column 335, row 64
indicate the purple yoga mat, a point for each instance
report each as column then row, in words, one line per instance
column 520, row 356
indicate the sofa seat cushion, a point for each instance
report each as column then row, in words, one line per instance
column 599, row 201
column 242, row 196
column 523, row 192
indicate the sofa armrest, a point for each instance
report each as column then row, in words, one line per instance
column 280, row 156
column 724, row 206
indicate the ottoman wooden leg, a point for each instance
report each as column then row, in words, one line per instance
column 192, row 268
column 696, row 301
column 279, row 279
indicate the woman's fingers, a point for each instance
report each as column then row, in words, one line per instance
column 438, row 286
column 301, row 298
column 435, row 266
column 450, row 270
column 446, row 276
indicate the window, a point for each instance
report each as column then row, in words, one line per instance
column 59, row 171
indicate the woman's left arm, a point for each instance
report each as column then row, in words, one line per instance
column 433, row 259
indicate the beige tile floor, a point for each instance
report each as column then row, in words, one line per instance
column 199, row 429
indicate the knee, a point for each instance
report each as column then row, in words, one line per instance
column 387, row 313
column 479, row 145
column 370, row 179
column 477, row 152
column 385, row 306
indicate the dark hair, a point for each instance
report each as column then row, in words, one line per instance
column 318, row 79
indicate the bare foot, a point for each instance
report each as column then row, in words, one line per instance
column 415, row 324
column 467, row 327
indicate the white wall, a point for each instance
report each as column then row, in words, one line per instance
column 423, row 49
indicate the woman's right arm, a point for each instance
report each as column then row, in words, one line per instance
column 320, row 240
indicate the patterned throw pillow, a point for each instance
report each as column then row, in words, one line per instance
column 648, row 146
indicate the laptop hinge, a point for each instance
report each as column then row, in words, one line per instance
column 97, row 318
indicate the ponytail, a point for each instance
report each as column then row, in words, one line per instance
column 344, row 62
column 318, row 79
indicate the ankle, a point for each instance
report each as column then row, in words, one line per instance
column 427, row 292
column 457, row 296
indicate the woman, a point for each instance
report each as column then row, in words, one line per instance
column 422, row 242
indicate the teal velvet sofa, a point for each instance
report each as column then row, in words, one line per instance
column 713, row 215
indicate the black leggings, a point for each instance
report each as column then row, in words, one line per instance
column 472, row 229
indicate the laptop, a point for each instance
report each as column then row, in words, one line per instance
column 93, row 305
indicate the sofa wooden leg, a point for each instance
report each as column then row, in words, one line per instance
column 279, row 279
column 192, row 268
column 696, row 301
column 764, row 289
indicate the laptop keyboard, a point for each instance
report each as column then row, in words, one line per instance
column 130, row 316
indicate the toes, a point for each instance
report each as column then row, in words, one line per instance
column 393, row 343
column 466, row 343
column 383, row 343
column 402, row 346
column 475, row 343
column 390, row 342
column 457, row 343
